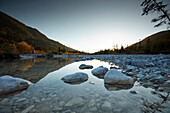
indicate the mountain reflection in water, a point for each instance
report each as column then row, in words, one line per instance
column 31, row 69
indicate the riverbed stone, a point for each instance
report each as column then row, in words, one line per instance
column 10, row 84
column 99, row 71
column 28, row 109
column 84, row 66
column 75, row 102
column 76, row 77
column 115, row 77
column 106, row 106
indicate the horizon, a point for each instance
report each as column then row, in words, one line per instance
column 87, row 26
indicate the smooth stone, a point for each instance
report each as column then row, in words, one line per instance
column 115, row 77
column 58, row 108
column 62, row 103
column 161, row 89
column 84, row 66
column 167, row 82
column 4, row 101
column 20, row 100
column 10, row 84
column 75, row 102
column 67, row 111
column 28, row 109
column 130, row 68
column 93, row 109
column 159, row 80
column 106, row 106
column 92, row 103
column 145, row 85
column 133, row 92
column 140, row 76
column 155, row 86
column 99, row 71
column 76, row 77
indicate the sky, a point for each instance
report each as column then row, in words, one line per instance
column 85, row 25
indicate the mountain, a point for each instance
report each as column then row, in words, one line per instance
column 13, row 30
column 156, row 43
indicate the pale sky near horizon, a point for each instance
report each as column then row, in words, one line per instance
column 85, row 25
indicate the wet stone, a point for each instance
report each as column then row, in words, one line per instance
column 20, row 100
column 133, row 92
column 161, row 89
column 28, row 109
column 4, row 101
column 75, row 102
column 62, row 103
column 106, row 106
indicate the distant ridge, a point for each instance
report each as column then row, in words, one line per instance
column 12, row 29
column 156, row 43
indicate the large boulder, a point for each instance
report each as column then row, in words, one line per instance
column 10, row 84
column 76, row 77
column 84, row 66
column 99, row 71
column 117, row 78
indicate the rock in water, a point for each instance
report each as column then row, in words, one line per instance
column 99, row 71
column 106, row 106
column 115, row 77
column 84, row 66
column 76, row 77
column 10, row 84
column 75, row 102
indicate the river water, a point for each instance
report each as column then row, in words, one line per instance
column 50, row 94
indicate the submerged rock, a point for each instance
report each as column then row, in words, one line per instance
column 133, row 92
column 84, row 66
column 115, row 77
column 75, row 102
column 99, row 71
column 76, row 77
column 106, row 106
column 10, row 84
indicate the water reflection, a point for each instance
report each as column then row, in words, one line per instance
column 117, row 87
column 31, row 69
column 51, row 94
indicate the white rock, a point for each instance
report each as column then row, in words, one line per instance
column 115, row 77
column 28, row 109
column 75, row 102
column 106, row 106
column 76, row 77
column 99, row 71
column 10, row 84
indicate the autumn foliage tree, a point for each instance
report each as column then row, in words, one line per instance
column 24, row 48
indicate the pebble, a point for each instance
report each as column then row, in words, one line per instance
column 161, row 89
column 4, row 101
column 58, row 108
column 106, row 106
column 62, row 103
column 133, row 92
column 28, row 109
column 20, row 100
column 155, row 86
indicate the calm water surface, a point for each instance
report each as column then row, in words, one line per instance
column 51, row 94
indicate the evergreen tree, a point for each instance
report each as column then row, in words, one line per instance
column 151, row 6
